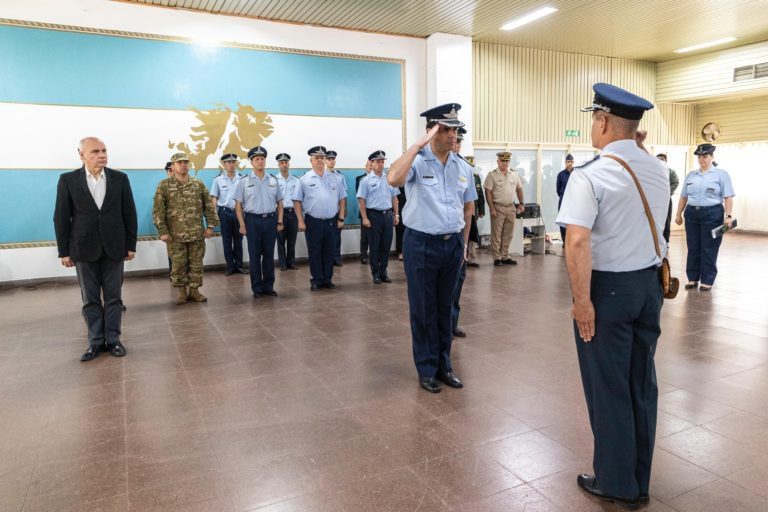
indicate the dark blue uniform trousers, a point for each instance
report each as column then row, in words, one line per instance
column 337, row 247
column 702, row 248
column 231, row 238
column 321, row 240
column 286, row 239
column 380, row 237
column 455, row 306
column 432, row 264
column 261, row 233
column 619, row 378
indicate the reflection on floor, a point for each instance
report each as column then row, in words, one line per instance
column 310, row 402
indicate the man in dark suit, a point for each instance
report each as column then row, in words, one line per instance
column 95, row 222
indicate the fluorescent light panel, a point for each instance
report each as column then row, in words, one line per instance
column 705, row 45
column 528, row 18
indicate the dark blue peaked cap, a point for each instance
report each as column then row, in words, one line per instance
column 331, row 154
column 283, row 157
column 377, row 155
column 446, row 115
column 257, row 151
column 618, row 102
column 316, row 151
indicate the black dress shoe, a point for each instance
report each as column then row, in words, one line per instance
column 644, row 499
column 243, row 271
column 692, row 284
column 271, row 293
column 473, row 264
column 376, row 280
column 229, row 272
column 450, row 379
column 330, row 286
column 459, row 333
column 293, row 267
column 588, row 483
column 314, row 287
column 116, row 349
column 91, row 353
column 258, row 295
column 338, row 264
column 363, row 261
column 508, row 261
column 430, row 384
column 497, row 263
column 386, row 279
column 283, row 268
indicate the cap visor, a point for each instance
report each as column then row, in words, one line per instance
column 450, row 123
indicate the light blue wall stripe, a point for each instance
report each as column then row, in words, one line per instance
column 28, row 198
column 66, row 68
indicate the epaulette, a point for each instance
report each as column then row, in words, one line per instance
column 469, row 164
column 587, row 162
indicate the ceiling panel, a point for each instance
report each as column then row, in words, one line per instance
column 648, row 30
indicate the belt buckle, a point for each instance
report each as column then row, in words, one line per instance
column 446, row 237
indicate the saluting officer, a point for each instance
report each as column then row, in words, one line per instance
column 441, row 197
column 378, row 208
column 707, row 199
column 286, row 239
column 330, row 164
column 221, row 194
column 318, row 201
column 617, row 296
column 258, row 194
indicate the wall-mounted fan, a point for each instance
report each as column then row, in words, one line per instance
column 710, row 132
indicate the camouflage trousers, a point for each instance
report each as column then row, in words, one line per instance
column 187, row 263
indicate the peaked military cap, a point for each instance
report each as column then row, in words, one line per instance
column 377, row 155
column 179, row 157
column 230, row 157
column 569, row 157
column 705, row 149
column 446, row 115
column 168, row 166
column 316, row 151
column 331, row 154
column 504, row 156
column 618, row 102
column 257, row 151
column 283, row 157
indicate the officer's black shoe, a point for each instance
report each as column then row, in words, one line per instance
column 497, row 263
column 386, row 279
column 271, row 293
column 588, row 483
column 116, row 349
column 430, row 384
column 91, row 353
column 459, row 333
column 243, row 271
column 363, row 261
column 258, row 295
column 293, row 267
column 329, row 285
column 473, row 264
column 338, row 264
column 229, row 272
column 283, row 268
column 644, row 499
column 508, row 261
column 314, row 287
column 377, row 280
column 450, row 379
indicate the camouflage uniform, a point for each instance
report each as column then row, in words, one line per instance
column 178, row 212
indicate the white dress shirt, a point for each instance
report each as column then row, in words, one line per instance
column 97, row 186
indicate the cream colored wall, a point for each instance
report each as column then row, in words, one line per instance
column 740, row 120
column 523, row 95
column 710, row 75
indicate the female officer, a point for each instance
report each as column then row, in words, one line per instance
column 707, row 198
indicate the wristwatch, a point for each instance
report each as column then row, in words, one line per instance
column 340, row 220
column 279, row 223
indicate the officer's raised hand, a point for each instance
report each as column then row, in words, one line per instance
column 424, row 140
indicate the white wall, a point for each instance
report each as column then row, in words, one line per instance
column 33, row 263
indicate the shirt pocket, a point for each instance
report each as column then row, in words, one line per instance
column 428, row 179
column 713, row 190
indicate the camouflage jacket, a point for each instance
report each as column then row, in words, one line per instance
column 179, row 209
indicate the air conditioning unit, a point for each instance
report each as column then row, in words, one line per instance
column 751, row 72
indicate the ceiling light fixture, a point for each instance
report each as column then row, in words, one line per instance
column 528, row 18
column 705, row 45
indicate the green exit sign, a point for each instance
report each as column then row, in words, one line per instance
column 573, row 133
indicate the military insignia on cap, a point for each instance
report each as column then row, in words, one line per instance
column 257, row 151
column 446, row 115
column 377, row 155
column 316, row 151
column 569, row 157
column 331, row 154
column 283, row 157
column 619, row 102
column 705, row 149
column 504, row 156
column 179, row 157
column 230, row 157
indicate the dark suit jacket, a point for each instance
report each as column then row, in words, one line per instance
column 82, row 230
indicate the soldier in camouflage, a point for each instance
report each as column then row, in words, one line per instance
column 180, row 203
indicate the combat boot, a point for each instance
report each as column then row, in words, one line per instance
column 182, row 298
column 195, row 295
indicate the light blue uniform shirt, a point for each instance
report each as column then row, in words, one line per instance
column 437, row 194
column 319, row 195
column 377, row 192
column 602, row 197
column 287, row 187
column 222, row 189
column 342, row 180
column 707, row 188
column 258, row 195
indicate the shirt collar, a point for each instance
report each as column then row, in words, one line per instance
column 620, row 146
column 89, row 175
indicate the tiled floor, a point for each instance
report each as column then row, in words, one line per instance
column 309, row 402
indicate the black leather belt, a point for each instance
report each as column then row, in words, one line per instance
column 378, row 211
column 226, row 208
column 445, row 236
column 289, row 210
column 261, row 215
